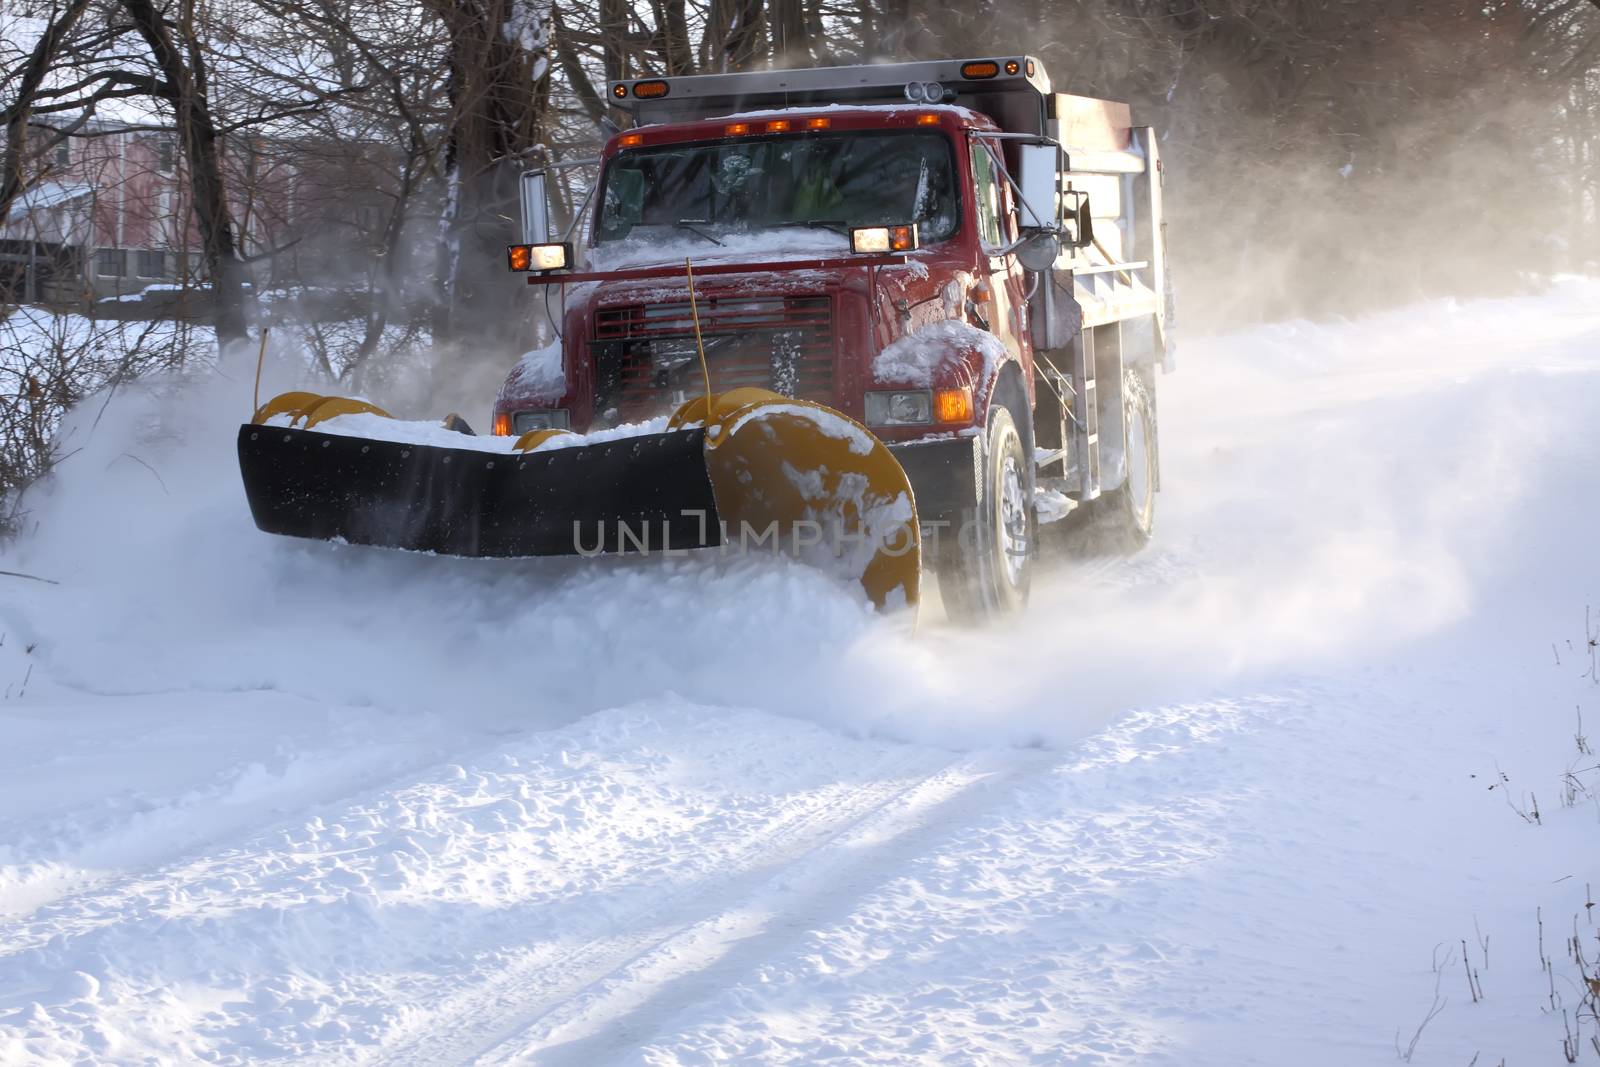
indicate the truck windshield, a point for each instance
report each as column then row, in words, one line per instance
column 827, row 181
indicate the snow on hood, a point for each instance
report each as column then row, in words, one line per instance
column 778, row 245
column 538, row 375
column 915, row 358
column 435, row 435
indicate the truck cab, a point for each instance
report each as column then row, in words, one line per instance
column 954, row 255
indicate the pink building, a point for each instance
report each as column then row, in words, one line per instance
column 108, row 213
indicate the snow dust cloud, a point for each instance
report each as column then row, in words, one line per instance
column 1328, row 491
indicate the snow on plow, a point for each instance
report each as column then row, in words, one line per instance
column 745, row 470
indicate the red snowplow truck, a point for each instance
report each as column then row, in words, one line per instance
column 951, row 253
column 874, row 316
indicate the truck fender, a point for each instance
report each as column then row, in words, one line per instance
column 1007, row 389
column 945, row 354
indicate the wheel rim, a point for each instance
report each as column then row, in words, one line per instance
column 1013, row 521
column 1138, row 463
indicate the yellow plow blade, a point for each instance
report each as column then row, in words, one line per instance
column 828, row 489
column 308, row 409
column 784, row 474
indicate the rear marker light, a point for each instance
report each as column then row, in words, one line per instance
column 1012, row 66
column 619, row 91
column 650, row 90
column 979, row 70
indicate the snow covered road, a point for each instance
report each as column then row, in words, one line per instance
column 262, row 800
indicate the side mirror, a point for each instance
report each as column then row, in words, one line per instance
column 1038, row 251
column 1040, row 185
column 1078, row 231
column 535, row 208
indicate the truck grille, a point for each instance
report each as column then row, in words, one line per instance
column 646, row 363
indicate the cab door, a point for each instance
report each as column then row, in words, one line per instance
column 1007, row 311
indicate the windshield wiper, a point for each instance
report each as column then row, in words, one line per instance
column 692, row 225
column 838, row 226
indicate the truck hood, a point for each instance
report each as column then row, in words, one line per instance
column 763, row 246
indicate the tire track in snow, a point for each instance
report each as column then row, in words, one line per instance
column 590, row 1003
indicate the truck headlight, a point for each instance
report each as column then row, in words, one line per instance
column 899, row 408
column 539, row 259
column 882, row 239
column 557, row 419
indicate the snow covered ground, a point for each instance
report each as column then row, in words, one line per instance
column 1226, row 803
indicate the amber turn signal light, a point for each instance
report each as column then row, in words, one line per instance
column 652, row 90
column 502, row 424
column 979, row 70
column 953, row 405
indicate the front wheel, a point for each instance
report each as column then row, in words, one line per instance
column 986, row 567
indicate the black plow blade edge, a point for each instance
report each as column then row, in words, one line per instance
column 650, row 493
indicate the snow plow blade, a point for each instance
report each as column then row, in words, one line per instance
column 762, row 474
column 463, row 502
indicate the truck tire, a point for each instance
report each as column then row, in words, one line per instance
column 1121, row 521
column 986, row 567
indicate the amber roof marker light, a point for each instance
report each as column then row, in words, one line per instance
column 1012, row 66
column 619, row 91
